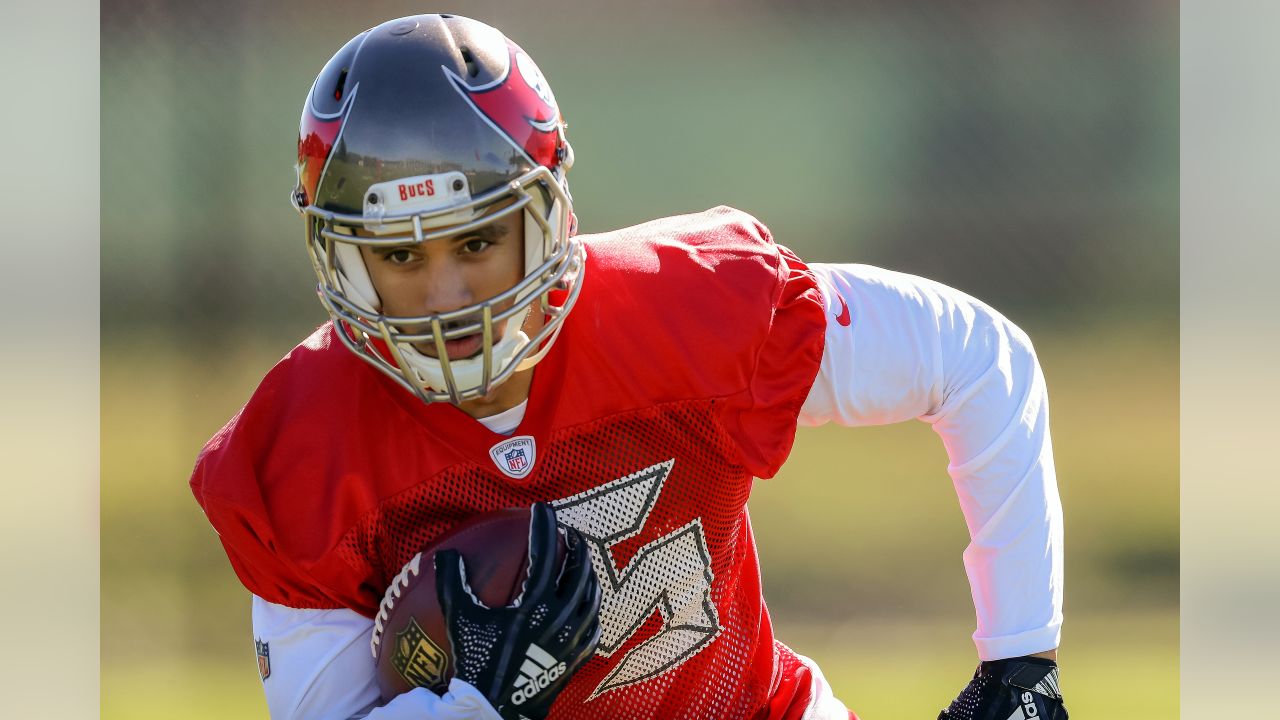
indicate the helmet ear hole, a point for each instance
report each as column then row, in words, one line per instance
column 341, row 84
column 472, row 68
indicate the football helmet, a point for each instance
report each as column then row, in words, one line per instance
column 426, row 128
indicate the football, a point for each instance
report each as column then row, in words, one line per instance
column 410, row 643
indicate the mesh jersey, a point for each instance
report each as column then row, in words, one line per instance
column 676, row 379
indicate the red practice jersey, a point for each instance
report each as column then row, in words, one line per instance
column 675, row 381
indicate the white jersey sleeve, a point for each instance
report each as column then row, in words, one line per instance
column 321, row 668
column 901, row 347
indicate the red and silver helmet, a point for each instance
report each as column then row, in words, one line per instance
column 425, row 128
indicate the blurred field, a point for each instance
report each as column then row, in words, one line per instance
column 860, row 539
column 1122, row 667
column 1025, row 153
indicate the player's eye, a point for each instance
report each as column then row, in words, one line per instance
column 398, row 256
column 475, row 245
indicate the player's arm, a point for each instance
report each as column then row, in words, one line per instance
column 907, row 348
column 317, row 666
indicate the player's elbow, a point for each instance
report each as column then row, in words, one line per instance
column 993, row 365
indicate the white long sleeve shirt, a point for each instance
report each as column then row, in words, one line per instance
column 897, row 347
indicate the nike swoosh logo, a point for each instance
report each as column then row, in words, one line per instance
column 843, row 318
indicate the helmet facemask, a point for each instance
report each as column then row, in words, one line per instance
column 552, row 269
column 418, row 130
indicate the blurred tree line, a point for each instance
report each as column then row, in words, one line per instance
column 1024, row 152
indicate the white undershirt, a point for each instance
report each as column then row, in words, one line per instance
column 914, row 349
column 505, row 422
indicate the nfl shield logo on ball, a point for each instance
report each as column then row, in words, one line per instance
column 515, row 456
column 421, row 662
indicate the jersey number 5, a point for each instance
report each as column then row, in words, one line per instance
column 671, row 575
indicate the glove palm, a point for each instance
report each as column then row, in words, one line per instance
column 520, row 656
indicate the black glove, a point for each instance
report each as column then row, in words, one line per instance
column 1021, row 688
column 522, row 655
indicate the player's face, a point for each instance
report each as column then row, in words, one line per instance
column 447, row 274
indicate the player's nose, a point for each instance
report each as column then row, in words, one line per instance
column 445, row 290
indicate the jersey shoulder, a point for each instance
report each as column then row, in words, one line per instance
column 686, row 247
column 685, row 306
column 674, row 306
column 274, row 482
column 690, row 272
column 312, row 380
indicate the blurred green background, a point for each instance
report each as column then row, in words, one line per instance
column 1023, row 152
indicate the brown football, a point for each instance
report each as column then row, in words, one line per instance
column 410, row 645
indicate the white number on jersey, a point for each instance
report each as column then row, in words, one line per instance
column 671, row 575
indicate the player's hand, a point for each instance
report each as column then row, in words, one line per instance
column 522, row 655
column 1021, row 688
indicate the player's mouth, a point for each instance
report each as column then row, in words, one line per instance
column 463, row 347
column 456, row 349
column 459, row 348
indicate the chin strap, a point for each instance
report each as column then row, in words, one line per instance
column 353, row 277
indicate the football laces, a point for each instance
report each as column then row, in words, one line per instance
column 399, row 584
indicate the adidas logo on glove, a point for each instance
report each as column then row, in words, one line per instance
column 538, row 671
column 1028, row 709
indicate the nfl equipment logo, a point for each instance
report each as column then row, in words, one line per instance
column 516, row 460
column 514, row 456
column 264, row 658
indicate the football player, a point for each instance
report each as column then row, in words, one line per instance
column 482, row 355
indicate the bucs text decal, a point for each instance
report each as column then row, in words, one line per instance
column 671, row 575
